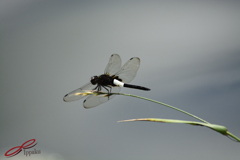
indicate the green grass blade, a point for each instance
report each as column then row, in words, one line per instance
column 218, row 128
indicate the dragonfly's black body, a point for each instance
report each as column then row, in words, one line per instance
column 111, row 81
column 106, row 81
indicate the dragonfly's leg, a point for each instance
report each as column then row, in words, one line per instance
column 110, row 90
column 107, row 90
column 97, row 88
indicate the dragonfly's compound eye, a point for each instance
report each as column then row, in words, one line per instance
column 94, row 80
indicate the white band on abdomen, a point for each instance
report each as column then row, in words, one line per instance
column 118, row 83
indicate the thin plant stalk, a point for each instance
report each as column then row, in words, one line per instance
column 226, row 133
column 163, row 105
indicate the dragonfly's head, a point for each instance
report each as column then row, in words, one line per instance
column 94, row 80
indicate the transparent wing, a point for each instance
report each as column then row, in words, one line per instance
column 78, row 93
column 114, row 64
column 93, row 101
column 129, row 70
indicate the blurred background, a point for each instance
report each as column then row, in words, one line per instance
column 190, row 58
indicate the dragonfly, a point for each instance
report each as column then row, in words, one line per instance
column 111, row 81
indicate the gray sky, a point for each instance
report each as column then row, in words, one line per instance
column 190, row 58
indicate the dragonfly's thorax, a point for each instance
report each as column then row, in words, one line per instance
column 103, row 80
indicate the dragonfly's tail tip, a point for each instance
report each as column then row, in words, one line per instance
column 147, row 89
